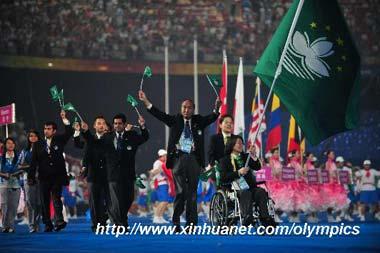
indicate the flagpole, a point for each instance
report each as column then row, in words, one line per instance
column 279, row 67
column 166, row 43
column 196, row 91
column 138, row 113
column 212, row 86
column 259, row 108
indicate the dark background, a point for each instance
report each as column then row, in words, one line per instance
column 105, row 93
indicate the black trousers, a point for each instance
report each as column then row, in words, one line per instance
column 247, row 197
column 121, row 196
column 98, row 201
column 54, row 190
column 186, row 173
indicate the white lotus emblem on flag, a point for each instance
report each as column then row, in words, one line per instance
column 310, row 56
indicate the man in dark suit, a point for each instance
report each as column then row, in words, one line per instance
column 218, row 141
column 120, row 151
column 94, row 169
column 49, row 162
column 185, row 153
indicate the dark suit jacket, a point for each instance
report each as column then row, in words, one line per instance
column 176, row 124
column 228, row 175
column 216, row 148
column 51, row 167
column 94, row 159
column 121, row 164
column 78, row 143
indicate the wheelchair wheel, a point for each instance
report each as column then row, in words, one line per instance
column 218, row 209
column 271, row 209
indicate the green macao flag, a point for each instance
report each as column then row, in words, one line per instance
column 147, row 71
column 318, row 80
column 214, row 80
column 132, row 100
column 69, row 107
column 54, row 93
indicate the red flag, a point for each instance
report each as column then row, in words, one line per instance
column 223, row 91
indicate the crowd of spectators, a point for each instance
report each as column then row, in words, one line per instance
column 136, row 29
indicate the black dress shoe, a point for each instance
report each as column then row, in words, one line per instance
column 48, row 228
column 60, row 226
column 178, row 229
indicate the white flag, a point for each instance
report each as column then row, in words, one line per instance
column 239, row 125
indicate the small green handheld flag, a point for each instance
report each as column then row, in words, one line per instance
column 131, row 100
column 147, row 73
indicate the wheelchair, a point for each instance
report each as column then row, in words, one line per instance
column 225, row 207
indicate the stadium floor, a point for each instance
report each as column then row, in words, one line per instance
column 78, row 238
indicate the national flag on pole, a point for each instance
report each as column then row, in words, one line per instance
column 223, row 91
column 319, row 68
column 274, row 135
column 295, row 137
column 239, row 122
column 257, row 111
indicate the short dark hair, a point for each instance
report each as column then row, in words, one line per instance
column 190, row 100
column 99, row 117
column 120, row 116
column 51, row 123
column 225, row 116
column 231, row 143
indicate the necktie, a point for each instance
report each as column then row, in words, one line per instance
column 226, row 139
column 119, row 142
column 47, row 146
column 187, row 130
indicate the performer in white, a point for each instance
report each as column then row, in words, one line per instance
column 367, row 188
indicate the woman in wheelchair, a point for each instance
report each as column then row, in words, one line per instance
column 233, row 170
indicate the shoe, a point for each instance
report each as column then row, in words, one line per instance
column 278, row 219
column 348, row 218
column 181, row 219
column 60, row 226
column 177, row 229
column 48, row 228
column 297, row 219
column 23, row 222
column 5, row 230
column 330, row 218
column 361, row 217
column 338, row 219
column 160, row 220
column 156, row 219
column 32, row 230
column 163, row 221
column 143, row 214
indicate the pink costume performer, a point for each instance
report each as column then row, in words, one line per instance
column 316, row 202
column 278, row 189
column 333, row 193
column 299, row 187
